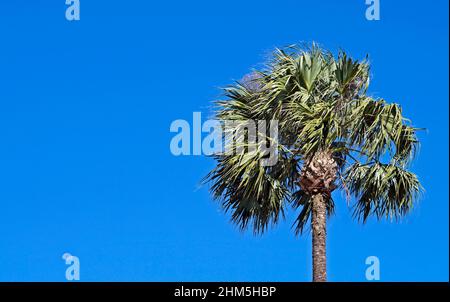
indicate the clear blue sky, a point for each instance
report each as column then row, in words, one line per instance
column 85, row 163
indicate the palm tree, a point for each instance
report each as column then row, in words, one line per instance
column 331, row 135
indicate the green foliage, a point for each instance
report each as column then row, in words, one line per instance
column 321, row 103
column 381, row 189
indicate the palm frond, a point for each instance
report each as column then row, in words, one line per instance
column 384, row 190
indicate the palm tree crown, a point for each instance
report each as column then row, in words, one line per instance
column 331, row 135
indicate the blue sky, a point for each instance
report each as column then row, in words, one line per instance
column 85, row 163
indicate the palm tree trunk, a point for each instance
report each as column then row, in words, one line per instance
column 319, row 234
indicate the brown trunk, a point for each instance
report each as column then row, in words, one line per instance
column 317, row 180
column 319, row 235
